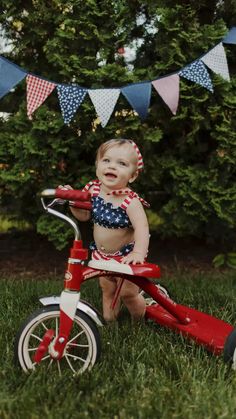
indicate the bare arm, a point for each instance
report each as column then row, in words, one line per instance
column 139, row 222
column 80, row 214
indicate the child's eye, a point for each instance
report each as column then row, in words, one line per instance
column 122, row 163
column 105, row 160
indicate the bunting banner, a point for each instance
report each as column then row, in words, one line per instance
column 168, row 89
column 37, row 91
column 70, row 98
column 138, row 95
column 104, row 100
column 216, row 60
column 10, row 76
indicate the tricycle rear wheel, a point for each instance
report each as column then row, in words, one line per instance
column 230, row 349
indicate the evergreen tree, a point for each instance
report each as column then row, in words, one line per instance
column 189, row 158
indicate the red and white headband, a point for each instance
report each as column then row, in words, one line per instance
column 140, row 158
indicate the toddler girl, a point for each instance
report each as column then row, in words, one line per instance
column 120, row 224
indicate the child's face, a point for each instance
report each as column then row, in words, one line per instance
column 117, row 166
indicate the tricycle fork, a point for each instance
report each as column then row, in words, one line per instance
column 68, row 305
column 55, row 344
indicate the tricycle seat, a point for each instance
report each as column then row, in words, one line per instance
column 147, row 270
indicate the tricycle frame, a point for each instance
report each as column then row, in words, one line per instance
column 204, row 329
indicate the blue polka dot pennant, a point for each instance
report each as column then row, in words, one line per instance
column 70, row 98
column 197, row 73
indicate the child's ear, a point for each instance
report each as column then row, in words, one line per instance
column 135, row 175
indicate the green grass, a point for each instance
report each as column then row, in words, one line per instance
column 145, row 371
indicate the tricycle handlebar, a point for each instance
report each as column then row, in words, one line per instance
column 66, row 194
column 76, row 198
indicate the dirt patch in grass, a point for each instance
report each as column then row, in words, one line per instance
column 27, row 253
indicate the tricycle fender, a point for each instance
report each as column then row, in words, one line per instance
column 82, row 305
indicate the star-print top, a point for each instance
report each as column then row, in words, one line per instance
column 104, row 213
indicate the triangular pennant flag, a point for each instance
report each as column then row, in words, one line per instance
column 37, row 92
column 216, row 60
column 197, row 73
column 230, row 38
column 70, row 98
column 138, row 95
column 10, row 76
column 168, row 89
column 104, row 101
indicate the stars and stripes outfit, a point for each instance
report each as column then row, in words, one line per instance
column 108, row 216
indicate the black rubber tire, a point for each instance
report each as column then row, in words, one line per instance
column 230, row 346
column 50, row 314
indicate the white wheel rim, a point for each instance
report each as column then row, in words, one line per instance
column 234, row 361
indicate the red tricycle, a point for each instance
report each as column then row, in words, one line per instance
column 65, row 331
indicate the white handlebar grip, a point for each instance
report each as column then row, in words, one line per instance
column 49, row 193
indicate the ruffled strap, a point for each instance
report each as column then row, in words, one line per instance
column 131, row 195
column 96, row 190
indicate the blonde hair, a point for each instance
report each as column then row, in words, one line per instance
column 109, row 144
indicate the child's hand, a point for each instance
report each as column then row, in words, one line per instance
column 134, row 258
column 66, row 187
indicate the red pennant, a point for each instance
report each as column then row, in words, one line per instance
column 37, row 92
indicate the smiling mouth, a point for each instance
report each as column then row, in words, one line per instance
column 111, row 175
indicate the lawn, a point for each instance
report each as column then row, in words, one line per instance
column 144, row 372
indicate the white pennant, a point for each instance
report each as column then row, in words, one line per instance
column 216, row 60
column 104, row 101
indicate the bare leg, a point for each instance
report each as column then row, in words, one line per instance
column 109, row 286
column 132, row 299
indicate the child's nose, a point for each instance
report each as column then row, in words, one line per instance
column 112, row 165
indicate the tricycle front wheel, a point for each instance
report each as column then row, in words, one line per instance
column 81, row 352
